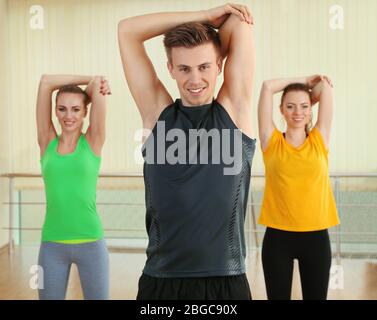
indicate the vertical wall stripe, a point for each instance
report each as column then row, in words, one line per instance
column 292, row 37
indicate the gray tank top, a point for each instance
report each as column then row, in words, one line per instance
column 195, row 212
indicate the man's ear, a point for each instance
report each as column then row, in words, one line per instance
column 170, row 68
column 220, row 65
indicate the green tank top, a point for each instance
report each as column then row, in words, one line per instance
column 70, row 186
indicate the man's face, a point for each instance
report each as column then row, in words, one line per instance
column 196, row 71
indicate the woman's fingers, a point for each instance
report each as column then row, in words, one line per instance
column 104, row 87
column 313, row 80
column 329, row 81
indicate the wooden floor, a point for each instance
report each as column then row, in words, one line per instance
column 359, row 277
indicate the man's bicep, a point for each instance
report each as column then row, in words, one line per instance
column 239, row 66
column 146, row 89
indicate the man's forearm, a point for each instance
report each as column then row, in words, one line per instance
column 148, row 26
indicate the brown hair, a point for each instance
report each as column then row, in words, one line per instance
column 73, row 89
column 299, row 87
column 189, row 35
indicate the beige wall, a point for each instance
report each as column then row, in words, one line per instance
column 293, row 38
column 4, row 120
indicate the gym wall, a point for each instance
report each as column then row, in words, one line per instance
column 293, row 37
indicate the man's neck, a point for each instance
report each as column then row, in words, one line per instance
column 186, row 104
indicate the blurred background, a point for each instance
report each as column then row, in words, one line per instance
column 293, row 38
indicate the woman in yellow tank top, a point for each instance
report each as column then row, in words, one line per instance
column 298, row 205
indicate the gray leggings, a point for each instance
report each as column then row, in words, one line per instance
column 92, row 261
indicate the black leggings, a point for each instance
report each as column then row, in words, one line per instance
column 313, row 252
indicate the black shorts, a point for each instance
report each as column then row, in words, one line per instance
column 207, row 288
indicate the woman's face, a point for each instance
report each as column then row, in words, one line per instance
column 296, row 109
column 70, row 111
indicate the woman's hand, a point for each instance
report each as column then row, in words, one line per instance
column 328, row 80
column 312, row 81
column 98, row 83
column 318, row 83
column 217, row 16
column 104, row 86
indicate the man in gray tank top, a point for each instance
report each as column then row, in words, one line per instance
column 198, row 149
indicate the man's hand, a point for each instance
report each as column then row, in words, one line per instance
column 217, row 16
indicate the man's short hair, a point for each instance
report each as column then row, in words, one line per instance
column 190, row 35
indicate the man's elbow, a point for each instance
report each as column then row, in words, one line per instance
column 124, row 26
column 235, row 23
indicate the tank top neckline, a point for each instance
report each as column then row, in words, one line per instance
column 71, row 153
column 200, row 107
column 300, row 147
column 178, row 104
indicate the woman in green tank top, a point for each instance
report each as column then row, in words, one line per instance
column 72, row 231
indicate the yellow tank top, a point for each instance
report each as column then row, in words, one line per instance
column 297, row 194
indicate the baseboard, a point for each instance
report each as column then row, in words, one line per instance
column 125, row 250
